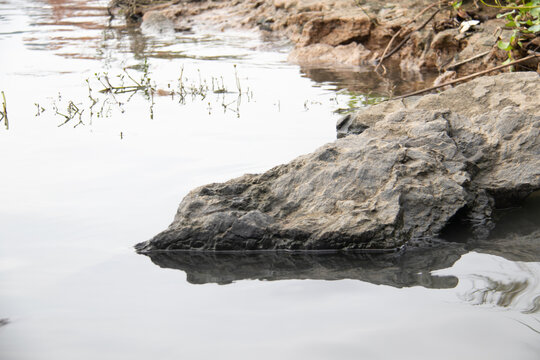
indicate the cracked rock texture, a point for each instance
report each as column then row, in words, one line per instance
column 401, row 175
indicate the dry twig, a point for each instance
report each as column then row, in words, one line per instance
column 452, row 66
column 400, row 31
column 464, row 78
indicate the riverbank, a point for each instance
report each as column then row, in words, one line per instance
column 416, row 36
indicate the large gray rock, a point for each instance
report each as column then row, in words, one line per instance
column 401, row 180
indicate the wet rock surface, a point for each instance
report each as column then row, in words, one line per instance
column 398, row 179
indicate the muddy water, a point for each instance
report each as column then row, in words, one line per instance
column 87, row 174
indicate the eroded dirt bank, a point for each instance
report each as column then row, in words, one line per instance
column 418, row 35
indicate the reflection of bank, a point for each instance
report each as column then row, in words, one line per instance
column 363, row 80
column 509, row 264
column 74, row 27
column 62, row 9
column 82, row 29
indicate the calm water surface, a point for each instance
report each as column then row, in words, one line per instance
column 85, row 175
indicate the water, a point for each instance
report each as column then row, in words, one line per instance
column 76, row 197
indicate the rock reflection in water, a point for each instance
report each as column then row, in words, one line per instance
column 411, row 268
column 515, row 241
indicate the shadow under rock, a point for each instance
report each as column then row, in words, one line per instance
column 516, row 236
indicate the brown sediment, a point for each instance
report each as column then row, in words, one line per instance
column 419, row 35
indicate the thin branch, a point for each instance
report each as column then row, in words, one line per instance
column 404, row 41
column 383, row 56
column 371, row 20
column 468, row 77
column 452, row 66
column 506, row 7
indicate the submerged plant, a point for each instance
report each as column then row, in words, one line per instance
column 71, row 112
column 357, row 101
column 39, row 109
column 108, row 92
column 144, row 84
column 3, row 112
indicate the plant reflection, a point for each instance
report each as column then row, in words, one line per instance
column 511, row 277
column 534, row 327
column 486, row 290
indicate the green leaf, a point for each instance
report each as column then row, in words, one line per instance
column 535, row 28
column 504, row 45
column 456, row 4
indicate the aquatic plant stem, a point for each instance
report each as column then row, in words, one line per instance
column 4, row 113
